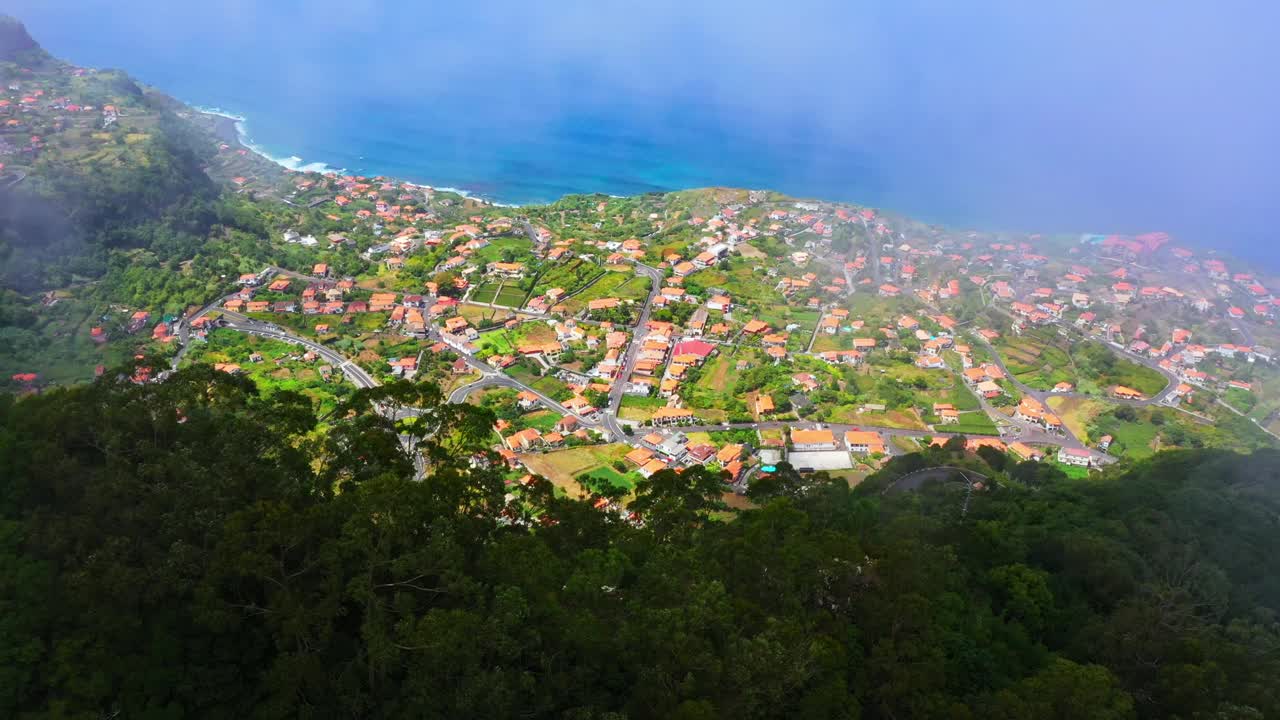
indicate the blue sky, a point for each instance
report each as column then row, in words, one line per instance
column 1073, row 116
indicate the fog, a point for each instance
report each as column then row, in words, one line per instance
column 1084, row 116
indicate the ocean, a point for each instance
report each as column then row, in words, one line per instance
column 998, row 118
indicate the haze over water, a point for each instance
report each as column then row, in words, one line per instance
column 1008, row 115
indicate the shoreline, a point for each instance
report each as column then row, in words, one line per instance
column 233, row 130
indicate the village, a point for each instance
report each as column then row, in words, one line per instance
column 617, row 337
column 741, row 339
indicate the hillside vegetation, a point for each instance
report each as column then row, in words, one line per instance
column 195, row 549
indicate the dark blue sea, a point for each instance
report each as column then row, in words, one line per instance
column 1001, row 116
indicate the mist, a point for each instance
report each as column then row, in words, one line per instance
column 1008, row 115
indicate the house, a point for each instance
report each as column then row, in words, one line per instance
column 684, row 268
column 652, row 467
column 930, row 362
column 320, row 270
column 639, row 456
column 728, row 454
column 1125, row 393
column 1063, row 387
column 947, row 413
column 806, row 381
column 764, row 405
column 1026, row 452
column 755, row 327
column 1073, row 456
column 890, row 291
column 810, row 440
column 989, row 389
column 863, row 442
column 506, row 270
column 523, row 440
column 405, row 367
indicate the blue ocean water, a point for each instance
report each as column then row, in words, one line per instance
column 1002, row 115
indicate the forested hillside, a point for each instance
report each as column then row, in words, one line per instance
column 194, row 549
column 127, row 184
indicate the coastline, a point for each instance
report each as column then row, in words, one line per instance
column 232, row 129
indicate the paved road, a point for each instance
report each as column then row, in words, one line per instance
column 839, row 429
column 357, row 374
column 916, row 480
column 610, row 414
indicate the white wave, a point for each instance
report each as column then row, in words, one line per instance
column 296, row 164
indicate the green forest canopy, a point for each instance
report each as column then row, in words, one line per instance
column 195, row 549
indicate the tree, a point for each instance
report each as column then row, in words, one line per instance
column 1061, row 691
column 676, row 503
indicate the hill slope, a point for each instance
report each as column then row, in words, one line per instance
column 183, row 545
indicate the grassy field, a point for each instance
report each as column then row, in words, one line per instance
column 485, row 292
column 717, row 376
column 544, row 420
column 563, row 466
column 1072, row 471
column 639, row 409
column 905, row 444
column 621, row 285
column 483, row 316
column 510, row 296
column 1132, row 439
column 1077, row 413
column 891, row 419
column 973, row 423
column 569, row 276
column 500, row 342
column 520, row 247
column 1038, row 359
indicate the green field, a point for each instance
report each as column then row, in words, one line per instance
column 1041, row 359
column 570, row 276
column 499, row 342
column 1037, row 359
column 973, row 423
column 621, row 285
column 612, row 477
column 1072, row 471
column 485, row 292
column 521, row 250
column 510, row 296
column 544, row 420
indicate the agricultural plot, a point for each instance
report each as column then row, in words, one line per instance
column 622, row 285
column 639, row 409
column 1037, row 360
column 1077, row 413
column 510, row 296
column 973, row 423
column 485, row 292
column 570, row 277
column 519, row 249
column 279, row 370
column 481, row 317
column 562, row 467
